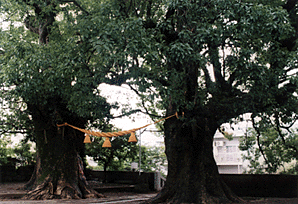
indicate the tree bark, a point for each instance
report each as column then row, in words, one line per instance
column 192, row 171
column 59, row 171
column 36, row 173
column 193, row 175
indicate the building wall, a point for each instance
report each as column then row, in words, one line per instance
column 230, row 169
column 227, row 154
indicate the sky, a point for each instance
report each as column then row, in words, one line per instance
column 125, row 96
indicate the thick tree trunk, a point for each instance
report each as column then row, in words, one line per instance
column 193, row 175
column 59, row 170
column 36, row 174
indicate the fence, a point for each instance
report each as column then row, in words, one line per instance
column 262, row 185
column 13, row 174
column 152, row 180
column 243, row 185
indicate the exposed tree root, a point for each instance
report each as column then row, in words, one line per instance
column 171, row 196
column 61, row 190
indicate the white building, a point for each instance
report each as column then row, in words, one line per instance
column 227, row 154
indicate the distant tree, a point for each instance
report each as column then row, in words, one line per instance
column 293, row 169
column 123, row 153
column 118, row 157
column 5, row 150
column 154, row 159
column 20, row 153
column 270, row 151
column 24, row 153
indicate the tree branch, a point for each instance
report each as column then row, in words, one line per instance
column 13, row 132
column 126, row 114
column 258, row 141
column 215, row 60
column 143, row 103
column 209, row 83
column 77, row 5
column 277, row 128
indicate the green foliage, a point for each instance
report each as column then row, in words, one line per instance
column 147, row 44
column 274, row 153
column 5, row 150
column 246, row 39
column 212, row 60
column 293, row 169
column 21, row 153
column 229, row 136
column 24, row 153
column 118, row 157
column 153, row 159
column 64, row 70
column 122, row 153
column 57, row 73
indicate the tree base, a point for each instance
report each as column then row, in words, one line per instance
column 62, row 190
column 168, row 196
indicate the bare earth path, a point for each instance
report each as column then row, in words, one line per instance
column 9, row 194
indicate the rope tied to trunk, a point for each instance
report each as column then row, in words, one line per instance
column 109, row 135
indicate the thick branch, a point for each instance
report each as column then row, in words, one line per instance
column 215, row 60
column 209, row 83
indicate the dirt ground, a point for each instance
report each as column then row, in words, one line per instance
column 10, row 194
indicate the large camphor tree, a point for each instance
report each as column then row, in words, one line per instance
column 48, row 76
column 210, row 61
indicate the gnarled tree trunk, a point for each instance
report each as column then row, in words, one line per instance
column 59, row 171
column 192, row 172
column 193, row 175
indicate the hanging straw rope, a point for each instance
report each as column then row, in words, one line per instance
column 108, row 135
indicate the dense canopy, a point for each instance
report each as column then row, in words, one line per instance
column 209, row 60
